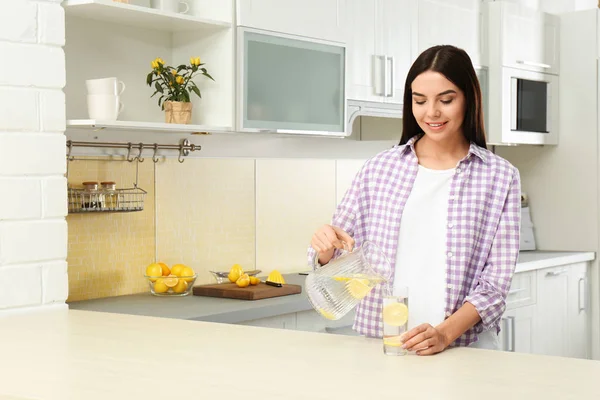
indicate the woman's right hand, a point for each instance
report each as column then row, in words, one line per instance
column 328, row 238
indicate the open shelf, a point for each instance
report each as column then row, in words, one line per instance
column 142, row 17
column 157, row 127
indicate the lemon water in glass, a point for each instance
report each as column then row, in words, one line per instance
column 395, row 321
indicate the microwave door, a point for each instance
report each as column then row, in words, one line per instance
column 530, row 102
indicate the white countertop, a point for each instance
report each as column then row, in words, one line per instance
column 92, row 355
column 532, row 260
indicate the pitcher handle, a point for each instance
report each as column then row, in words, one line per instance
column 345, row 250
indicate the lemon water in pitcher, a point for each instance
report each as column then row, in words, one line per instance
column 337, row 287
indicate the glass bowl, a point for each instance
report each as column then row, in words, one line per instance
column 221, row 277
column 171, row 285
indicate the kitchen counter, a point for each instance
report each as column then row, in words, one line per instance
column 91, row 355
column 234, row 311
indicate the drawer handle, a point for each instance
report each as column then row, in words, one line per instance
column 515, row 291
column 557, row 273
column 533, row 64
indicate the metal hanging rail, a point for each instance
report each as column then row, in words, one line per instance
column 184, row 147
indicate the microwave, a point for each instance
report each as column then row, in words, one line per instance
column 523, row 107
column 290, row 84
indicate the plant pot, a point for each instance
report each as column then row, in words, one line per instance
column 178, row 112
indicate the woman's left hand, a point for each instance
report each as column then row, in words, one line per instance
column 425, row 340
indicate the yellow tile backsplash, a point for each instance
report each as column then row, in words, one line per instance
column 208, row 213
column 108, row 252
column 205, row 214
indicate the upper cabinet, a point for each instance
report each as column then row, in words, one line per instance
column 315, row 19
column 455, row 22
column 381, row 46
column 523, row 38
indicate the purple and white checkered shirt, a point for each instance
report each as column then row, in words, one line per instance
column 482, row 243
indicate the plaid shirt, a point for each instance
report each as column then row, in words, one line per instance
column 482, row 242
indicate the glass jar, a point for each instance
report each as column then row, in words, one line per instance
column 109, row 191
column 90, row 198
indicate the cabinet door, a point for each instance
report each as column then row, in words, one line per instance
column 364, row 66
column 455, row 22
column 311, row 18
column 578, row 328
column 531, row 39
column 397, row 23
column 517, row 330
column 551, row 333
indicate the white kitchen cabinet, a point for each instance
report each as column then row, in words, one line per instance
column 523, row 38
column 577, row 312
column 311, row 18
column 311, row 321
column 517, row 330
column 381, row 46
column 454, row 22
column 552, row 311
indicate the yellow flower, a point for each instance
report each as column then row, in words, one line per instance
column 154, row 65
column 195, row 61
column 160, row 60
column 174, row 72
column 179, row 79
column 157, row 63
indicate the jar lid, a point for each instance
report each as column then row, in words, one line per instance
column 108, row 183
column 89, row 183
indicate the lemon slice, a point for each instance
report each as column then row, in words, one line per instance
column 393, row 341
column 342, row 278
column 395, row 314
column 170, row 281
column 326, row 314
column 358, row 288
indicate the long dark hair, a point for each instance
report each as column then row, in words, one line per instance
column 456, row 66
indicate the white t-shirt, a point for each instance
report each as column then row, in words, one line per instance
column 421, row 259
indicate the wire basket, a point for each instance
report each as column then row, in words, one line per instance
column 102, row 200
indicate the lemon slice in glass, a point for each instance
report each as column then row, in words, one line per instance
column 393, row 341
column 358, row 288
column 326, row 314
column 395, row 314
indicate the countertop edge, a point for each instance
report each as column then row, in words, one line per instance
column 555, row 261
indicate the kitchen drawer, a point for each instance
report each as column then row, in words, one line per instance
column 523, row 290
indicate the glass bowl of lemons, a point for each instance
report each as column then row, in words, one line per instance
column 175, row 281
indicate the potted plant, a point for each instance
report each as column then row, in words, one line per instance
column 175, row 86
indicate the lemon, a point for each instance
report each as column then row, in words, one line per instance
column 393, row 341
column 165, row 269
column 153, row 269
column 181, row 286
column 235, row 272
column 178, row 269
column 326, row 314
column 395, row 314
column 160, row 287
column 358, row 288
column 254, row 280
column 243, row 281
column 170, row 281
column 188, row 273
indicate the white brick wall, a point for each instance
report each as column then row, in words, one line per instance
column 33, row 229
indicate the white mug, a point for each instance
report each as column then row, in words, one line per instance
column 105, row 86
column 104, row 107
column 170, row 5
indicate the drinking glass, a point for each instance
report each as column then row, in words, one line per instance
column 395, row 320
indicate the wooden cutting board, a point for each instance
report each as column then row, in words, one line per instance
column 252, row 292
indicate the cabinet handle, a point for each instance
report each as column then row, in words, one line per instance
column 534, row 64
column 557, row 273
column 381, row 75
column 391, row 76
column 579, row 302
column 385, row 75
column 505, row 335
column 512, row 333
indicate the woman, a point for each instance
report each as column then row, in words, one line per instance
column 444, row 210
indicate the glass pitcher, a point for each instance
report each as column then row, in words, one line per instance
column 337, row 287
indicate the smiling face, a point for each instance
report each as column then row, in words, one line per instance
column 438, row 106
